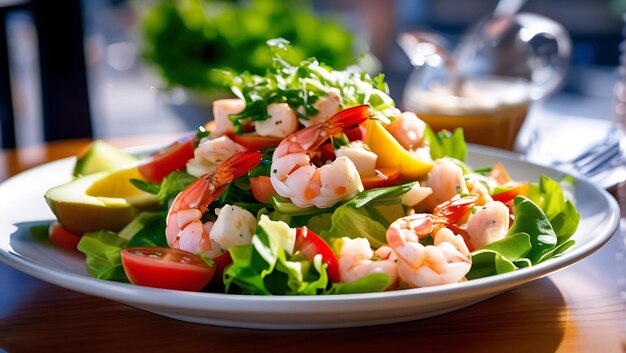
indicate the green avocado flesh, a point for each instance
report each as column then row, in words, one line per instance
column 102, row 156
column 105, row 200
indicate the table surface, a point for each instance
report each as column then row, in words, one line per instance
column 579, row 309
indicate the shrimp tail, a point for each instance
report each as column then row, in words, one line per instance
column 347, row 118
column 453, row 210
column 209, row 186
column 239, row 164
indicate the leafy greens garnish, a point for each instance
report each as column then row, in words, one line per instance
column 301, row 85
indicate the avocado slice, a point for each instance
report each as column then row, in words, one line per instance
column 105, row 200
column 101, row 156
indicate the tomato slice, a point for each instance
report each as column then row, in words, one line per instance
column 254, row 142
column 167, row 268
column 508, row 196
column 169, row 159
column 310, row 244
column 62, row 237
column 262, row 188
column 383, row 177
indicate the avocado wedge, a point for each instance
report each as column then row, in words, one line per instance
column 105, row 200
column 101, row 156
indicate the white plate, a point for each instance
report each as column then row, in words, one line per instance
column 22, row 205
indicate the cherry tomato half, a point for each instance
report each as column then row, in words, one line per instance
column 262, row 188
column 167, row 160
column 382, row 177
column 167, row 268
column 310, row 244
column 254, row 142
column 62, row 237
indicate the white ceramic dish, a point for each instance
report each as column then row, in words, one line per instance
column 22, row 205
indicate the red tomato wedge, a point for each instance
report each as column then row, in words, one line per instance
column 507, row 197
column 310, row 244
column 168, row 268
column 167, row 160
column 254, row 142
column 262, row 188
column 62, row 237
column 383, row 177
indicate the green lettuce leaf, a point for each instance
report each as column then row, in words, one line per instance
column 147, row 229
column 355, row 223
column 531, row 219
column 561, row 212
column 104, row 260
column 265, row 267
column 446, row 144
column 499, row 256
column 373, row 282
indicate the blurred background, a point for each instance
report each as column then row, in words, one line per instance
column 110, row 68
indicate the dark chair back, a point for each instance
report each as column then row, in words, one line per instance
column 63, row 76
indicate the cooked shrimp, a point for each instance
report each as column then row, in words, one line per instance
column 294, row 177
column 326, row 107
column 488, row 224
column 184, row 227
column 419, row 225
column 282, row 121
column 222, row 109
column 408, row 130
column 446, row 261
column 356, row 261
column 210, row 153
column 446, row 180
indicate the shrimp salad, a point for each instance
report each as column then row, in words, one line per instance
column 310, row 181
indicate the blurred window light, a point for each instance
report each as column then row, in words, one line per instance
column 121, row 56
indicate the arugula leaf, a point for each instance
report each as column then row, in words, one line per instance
column 171, row 185
column 302, row 85
column 104, row 260
column 446, row 144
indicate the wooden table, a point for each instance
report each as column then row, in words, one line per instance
column 579, row 309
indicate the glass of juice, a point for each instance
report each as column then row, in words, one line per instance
column 490, row 109
column 489, row 83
